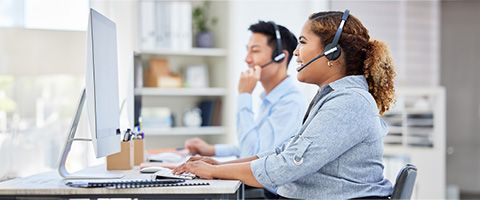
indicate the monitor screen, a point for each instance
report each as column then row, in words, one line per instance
column 102, row 84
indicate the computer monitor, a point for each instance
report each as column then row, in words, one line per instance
column 101, row 94
column 102, row 84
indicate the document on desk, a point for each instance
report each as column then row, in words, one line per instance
column 131, row 183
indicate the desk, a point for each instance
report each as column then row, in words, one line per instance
column 51, row 184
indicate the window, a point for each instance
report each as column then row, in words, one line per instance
column 42, row 62
column 44, row 14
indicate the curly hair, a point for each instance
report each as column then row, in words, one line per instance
column 363, row 56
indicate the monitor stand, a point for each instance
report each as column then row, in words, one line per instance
column 62, row 170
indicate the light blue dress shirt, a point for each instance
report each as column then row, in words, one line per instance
column 338, row 152
column 279, row 119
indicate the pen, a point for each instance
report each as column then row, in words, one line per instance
column 124, row 137
column 139, row 134
column 180, row 148
column 153, row 160
column 127, row 136
column 78, row 184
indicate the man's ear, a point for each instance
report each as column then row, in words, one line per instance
column 285, row 60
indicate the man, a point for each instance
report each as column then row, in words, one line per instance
column 283, row 105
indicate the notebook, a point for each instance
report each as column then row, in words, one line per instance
column 131, row 183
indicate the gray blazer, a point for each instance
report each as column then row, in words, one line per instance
column 337, row 154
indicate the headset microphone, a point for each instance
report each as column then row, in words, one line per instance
column 316, row 58
column 309, row 62
column 266, row 64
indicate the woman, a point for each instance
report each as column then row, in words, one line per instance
column 337, row 153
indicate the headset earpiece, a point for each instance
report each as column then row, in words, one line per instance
column 279, row 57
column 278, row 54
column 332, row 51
column 335, row 54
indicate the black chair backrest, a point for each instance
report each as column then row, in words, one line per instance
column 405, row 181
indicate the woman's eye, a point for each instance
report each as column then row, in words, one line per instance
column 302, row 42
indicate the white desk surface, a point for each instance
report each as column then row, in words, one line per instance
column 51, row 183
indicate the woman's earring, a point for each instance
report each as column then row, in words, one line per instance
column 330, row 64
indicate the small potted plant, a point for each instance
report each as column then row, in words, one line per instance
column 202, row 24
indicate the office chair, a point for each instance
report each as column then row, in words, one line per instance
column 405, row 181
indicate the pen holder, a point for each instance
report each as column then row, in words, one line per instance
column 138, row 149
column 122, row 160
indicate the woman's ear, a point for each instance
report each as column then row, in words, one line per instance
column 339, row 63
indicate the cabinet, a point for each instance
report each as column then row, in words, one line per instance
column 213, row 98
column 417, row 135
column 179, row 100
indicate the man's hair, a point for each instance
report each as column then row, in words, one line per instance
column 289, row 41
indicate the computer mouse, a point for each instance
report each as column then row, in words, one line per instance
column 153, row 169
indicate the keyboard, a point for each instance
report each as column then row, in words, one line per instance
column 167, row 174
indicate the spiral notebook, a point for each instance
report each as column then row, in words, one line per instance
column 131, row 183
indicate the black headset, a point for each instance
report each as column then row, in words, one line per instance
column 332, row 50
column 277, row 55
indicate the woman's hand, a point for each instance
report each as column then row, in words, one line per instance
column 233, row 171
column 198, row 167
